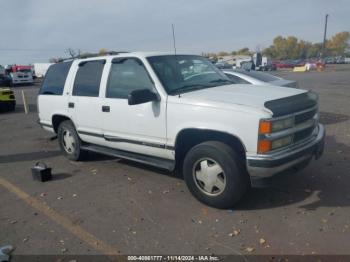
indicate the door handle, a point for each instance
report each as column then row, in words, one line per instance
column 71, row 105
column 106, row 109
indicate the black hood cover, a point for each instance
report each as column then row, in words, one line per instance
column 292, row 104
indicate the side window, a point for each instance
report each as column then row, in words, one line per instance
column 127, row 75
column 88, row 78
column 236, row 79
column 55, row 79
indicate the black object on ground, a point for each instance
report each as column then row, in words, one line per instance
column 41, row 172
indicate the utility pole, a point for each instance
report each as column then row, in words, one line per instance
column 325, row 35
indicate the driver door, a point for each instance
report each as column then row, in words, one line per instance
column 137, row 128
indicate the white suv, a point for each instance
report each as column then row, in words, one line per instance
column 180, row 112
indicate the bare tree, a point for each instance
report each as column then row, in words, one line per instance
column 71, row 52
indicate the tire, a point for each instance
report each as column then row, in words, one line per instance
column 69, row 141
column 203, row 163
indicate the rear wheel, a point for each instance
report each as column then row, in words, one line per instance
column 69, row 141
column 215, row 174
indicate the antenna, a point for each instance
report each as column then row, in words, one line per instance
column 172, row 26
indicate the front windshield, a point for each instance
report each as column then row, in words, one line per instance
column 185, row 73
column 24, row 70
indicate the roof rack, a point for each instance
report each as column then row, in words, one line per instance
column 89, row 55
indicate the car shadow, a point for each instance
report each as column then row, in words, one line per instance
column 324, row 183
column 93, row 156
column 60, row 176
column 328, row 118
column 30, row 156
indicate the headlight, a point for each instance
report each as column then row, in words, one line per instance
column 281, row 142
column 282, row 124
column 269, row 126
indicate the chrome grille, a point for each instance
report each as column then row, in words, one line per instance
column 307, row 121
column 303, row 134
column 304, row 116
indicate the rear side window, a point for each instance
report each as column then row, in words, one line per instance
column 88, row 78
column 55, row 79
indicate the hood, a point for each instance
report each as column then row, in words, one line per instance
column 239, row 94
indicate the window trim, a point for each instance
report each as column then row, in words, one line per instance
column 81, row 63
column 140, row 62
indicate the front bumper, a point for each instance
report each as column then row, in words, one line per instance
column 261, row 166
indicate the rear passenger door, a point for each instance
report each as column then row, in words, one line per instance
column 85, row 101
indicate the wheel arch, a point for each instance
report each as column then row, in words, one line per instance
column 57, row 119
column 189, row 137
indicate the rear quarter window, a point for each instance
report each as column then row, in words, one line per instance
column 55, row 79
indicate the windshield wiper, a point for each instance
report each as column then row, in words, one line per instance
column 188, row 88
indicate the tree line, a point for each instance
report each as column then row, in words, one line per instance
column 293, row 48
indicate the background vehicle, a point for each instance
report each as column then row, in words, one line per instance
column 180, row 112
column 7, row 100
column 223, row 65
column 258, row 78
column 2, row 71
column 40, row 69
column 19, row 74
column 4, row 77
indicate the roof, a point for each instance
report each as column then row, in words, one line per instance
column 127, row 54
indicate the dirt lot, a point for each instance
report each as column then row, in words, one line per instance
column 107, row 205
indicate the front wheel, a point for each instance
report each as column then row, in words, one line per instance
column 215, row 174
column 69, row 141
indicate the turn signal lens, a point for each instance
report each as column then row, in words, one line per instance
column 264, row 146
column 265, row 127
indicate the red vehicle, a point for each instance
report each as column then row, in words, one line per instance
column 284, row 64
column 19, row 74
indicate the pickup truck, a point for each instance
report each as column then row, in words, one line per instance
column 179, row 112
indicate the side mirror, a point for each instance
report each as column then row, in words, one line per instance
column 142, row 96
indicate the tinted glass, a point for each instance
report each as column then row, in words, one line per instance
column 127, row 75
column 265, row 77
column 186, row 73
column 88, row 78
column 237, row 80
column 55, row 79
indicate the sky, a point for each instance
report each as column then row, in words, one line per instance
column 36, row 30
